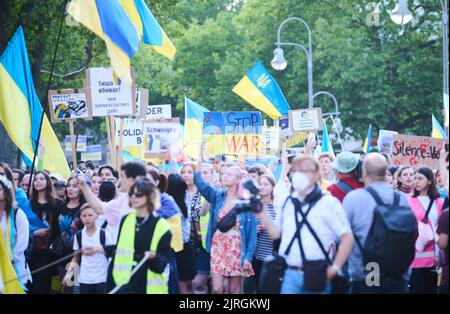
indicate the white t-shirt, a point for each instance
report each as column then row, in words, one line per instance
column 93, row 269
column 327, row 218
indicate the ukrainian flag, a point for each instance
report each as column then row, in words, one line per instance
column 259, row 89
column 326, row 143
column 193, row 127
column 109, row 21
column 368, row 141
column 11, row 285
column 152, row 34
column 438, row 131
column 21, row 111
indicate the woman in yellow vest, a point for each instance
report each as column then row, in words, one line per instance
column 142, row 235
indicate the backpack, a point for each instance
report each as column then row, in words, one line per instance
column 344, row 187
column 102, row 237
column 392, row 236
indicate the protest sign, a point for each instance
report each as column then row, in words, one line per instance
column 141, row 103
column 158, row 134
column 384, row 142
column 81, row 143
column 132, row 134
column 93, row 152
column 108, row 94
column 270, row 138
column 233, row 133
column 159, row 112
column 69, row 104
column 409, row 150
column 283, row 124
column 305, row 120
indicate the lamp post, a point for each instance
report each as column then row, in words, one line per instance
column 402, row 15
column 280, row 63
column 337, row 124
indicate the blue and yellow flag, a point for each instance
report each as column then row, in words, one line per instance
column 326, row 143
column 21, row 110
column 11, row 285
column 368, row 141
column 109, row 21
column 193, row 127
column 438, row 131
column 259, row 89
column 152, row 34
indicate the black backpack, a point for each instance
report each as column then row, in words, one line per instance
column 392, row 236
column 102, row 239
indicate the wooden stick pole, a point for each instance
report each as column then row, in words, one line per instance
column 72, row 143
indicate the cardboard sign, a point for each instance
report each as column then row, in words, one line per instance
column 109, row 95
column 305, row 120
column 141, row 103
column 69, row 104
column 233, row 133
column 270, row 138
column 81, row 143
column 93, row 152
column 158, row 134
column 132, row 132
column 159, row 112
column 297, row 138
column 409, row 150
column 384, row 143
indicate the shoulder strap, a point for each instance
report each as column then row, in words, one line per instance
column 79, row 236
column 430, row 205
column 102, row 237
column 375, row 195
column 344, row 187
column 105, row 223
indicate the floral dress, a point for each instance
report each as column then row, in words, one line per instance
column 226, row 249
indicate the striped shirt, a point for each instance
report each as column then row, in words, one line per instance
column 264, row 243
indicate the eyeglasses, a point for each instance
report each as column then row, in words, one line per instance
column 137, row 195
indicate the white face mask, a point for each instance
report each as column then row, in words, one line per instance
column 300, row 181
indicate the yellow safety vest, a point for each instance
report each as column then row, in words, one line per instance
column 204, row 223
column 124, row 258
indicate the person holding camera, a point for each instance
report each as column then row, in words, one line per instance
column 308, row 222
column 231, row 236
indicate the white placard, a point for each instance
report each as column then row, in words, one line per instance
column 132, row 132
column 159, row 112
column 385, row 139
column 305, row 119
column 270, row 137
column 157, row 134
column 110, row 96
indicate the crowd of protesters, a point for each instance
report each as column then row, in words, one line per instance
column 145, row 229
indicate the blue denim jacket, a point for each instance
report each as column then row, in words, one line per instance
column 216, row 197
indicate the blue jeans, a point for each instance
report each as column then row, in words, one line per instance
column 293, row 284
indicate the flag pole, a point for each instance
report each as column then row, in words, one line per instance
column 46, row 93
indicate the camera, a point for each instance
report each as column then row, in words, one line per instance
column 253, row 203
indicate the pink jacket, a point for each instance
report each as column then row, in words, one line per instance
column 424, row 259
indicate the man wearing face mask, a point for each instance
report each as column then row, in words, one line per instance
column 346, row 166
column 308, row 222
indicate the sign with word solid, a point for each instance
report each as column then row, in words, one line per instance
column 384, row 143
column 81, row 143
column 109, row 95
column 69, row 104
column 233, row 133
column 306, row 119
column 93, row 152
column 158, row 135
column 132, row 132
column 409, row 150
column 159, row 112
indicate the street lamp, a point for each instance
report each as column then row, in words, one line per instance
column 337, row 123
column 280, row 63
column 401, row 14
